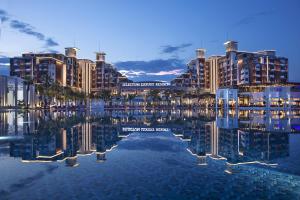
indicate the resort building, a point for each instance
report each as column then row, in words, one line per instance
column 212, row 64
column 274, row 96
column 238, row 78
column 39, row 67
column 197, row 74
column 227, row 98
column 55, row 67
column 69, row 71
column 251, row 68
column 245, row 75
column 22, row 66
column 105, row 76
column 85, row 69
column 233, row 69
column 263, row 67
column 228, row 65
column 15, row 92
column 71, row 67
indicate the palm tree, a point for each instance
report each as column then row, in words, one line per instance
column 54, row 91
column 67, row 94
column 27, row 82
column 106, row 95
column 84, row 98
column 168, row 94
column 155, row 95
column 81, row 97
column 130, row 98
column 199, row 93
column 43, row 88
column 179, row 93
column 40, row 90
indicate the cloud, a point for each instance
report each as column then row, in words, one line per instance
column 175, row 72
column 166, row 69
column 50, row 51
column 27, row 29
column 3, row 16
column 251, row 18
column 135, row 74
column 4, row 59
column 132, row 73
column 4, row 70
column 4, row 65
column 152, row 65
column 51, row 43
column 168, row 49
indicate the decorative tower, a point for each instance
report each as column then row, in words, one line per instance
column 200, row 67
column 100, row 57
column 71, row 52
column 231, row 52
column 231, row 46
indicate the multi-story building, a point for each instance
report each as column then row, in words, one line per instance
column 227, row 65
column 197, row 74
column 15, row 92
column 85, row 69
column 22, row 66
column 105, row 76
column 67, row 70
column 39, row 67
column 71, row 66
column 251, row 68
column 262, row 67
column 212, row 65
column 235, row 68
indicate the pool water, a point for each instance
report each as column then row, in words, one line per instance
column 149, row 155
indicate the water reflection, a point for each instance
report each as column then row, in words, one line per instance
column 239, row 138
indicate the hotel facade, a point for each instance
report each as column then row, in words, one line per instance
column 66, row 69
column 241, row 78
column 105, row 76
column 235, row 68
column 251, row 68
column 246, row 74
column 15, row 92
column 196, row 75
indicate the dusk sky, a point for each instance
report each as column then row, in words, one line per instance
column 150, row 40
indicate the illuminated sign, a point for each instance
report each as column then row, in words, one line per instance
column 146, row 84
column 144, row 129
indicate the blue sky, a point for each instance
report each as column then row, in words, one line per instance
column 150, row 40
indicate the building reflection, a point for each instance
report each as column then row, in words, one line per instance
column 243, row 137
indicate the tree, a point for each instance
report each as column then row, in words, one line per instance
column 154, row 94
column 131, row 97
column 106, row 95
column 43, row 88
column 55, row 91
column 179, row 93
column 27, row 82
column 168, row 94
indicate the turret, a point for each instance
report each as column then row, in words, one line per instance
column 231, row 46
column 71, row 51
column 200, row 53
column 100, row 56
